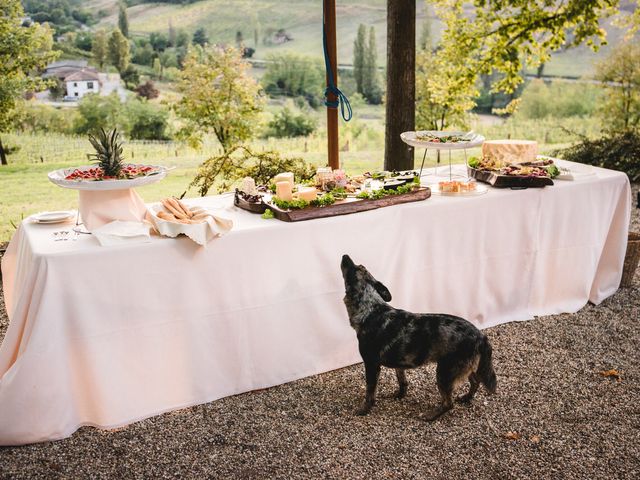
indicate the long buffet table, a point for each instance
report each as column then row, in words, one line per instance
column 106, row 336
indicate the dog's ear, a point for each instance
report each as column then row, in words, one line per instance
column 382, row 290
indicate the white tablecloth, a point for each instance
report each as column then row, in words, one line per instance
column 106, row 336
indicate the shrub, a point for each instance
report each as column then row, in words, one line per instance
column 288, row 123
column 617, row 151
column 145, row 121
column 36, row 117
column 557, row 100
column 147, row 90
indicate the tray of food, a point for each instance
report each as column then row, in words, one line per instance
column 329, row 195
column 442, row 140
column 456, row 188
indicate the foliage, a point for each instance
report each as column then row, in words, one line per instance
column 108, row 151
column 200, row 37
column 426, row 42
column 147, row 90
column 506, row 36
column 57, row 88
column 158, row 41
column 557, row 100
column 617, row 151
column 63, row 15
column 620, row 76
column 100, row 48
column 295, row 75
column 40, row 118
column 130, row 77
column 98, row 112
column 145, row 121
column 118, row 48
column 84, row 41
column 143, row 54
column 359, row 48
column 289, row 123
column 219, row 96
column 23, row 50
column 123, row 19
column 444, row 93
column 239, row 162
column 370, row 85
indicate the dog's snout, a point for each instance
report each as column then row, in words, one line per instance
column 347, row 262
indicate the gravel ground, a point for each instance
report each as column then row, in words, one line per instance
column 555, row 416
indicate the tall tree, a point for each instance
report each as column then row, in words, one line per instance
column 620, row 75
column 200, row 37
column 100, row 47
column 119, row 54
column 123, row 19
column 359, row 48
column 23, row 51
column 401, row 82
column 370, row 86
column 172, row 35
column 219, row 96
column 426, row 43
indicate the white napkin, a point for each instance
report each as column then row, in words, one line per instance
column 119, row 232
column 201, row 233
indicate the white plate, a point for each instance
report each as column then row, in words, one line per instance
column 59, row 178
column 53, row 217
column 480, row 190
column 410, row 138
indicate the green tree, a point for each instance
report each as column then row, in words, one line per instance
column 426, row 43
column 145, row 121
column 123, row 19
column 98, row 112
column 294, row 75
column 182, row 39
column 200, row 37
column 370, row 85
column 23, row 51
column 100, row 48
column 359, row 53
column 172, row 35
column 157, row 68
column 219, row 96
column 620, row 76
column 119, row 54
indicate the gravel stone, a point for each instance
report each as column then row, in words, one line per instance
column 555, row 416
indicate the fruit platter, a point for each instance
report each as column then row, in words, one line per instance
column 442, row 140
column 109, row 172
column 501, row 174
column 329, row 194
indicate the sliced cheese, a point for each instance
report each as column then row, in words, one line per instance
column 510, row 151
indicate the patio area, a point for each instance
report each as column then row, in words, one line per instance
column 555, row 414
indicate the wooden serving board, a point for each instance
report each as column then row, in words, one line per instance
column 508, row 181
column 347, row 206
column 240, row 202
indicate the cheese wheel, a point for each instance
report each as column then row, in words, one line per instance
column 510, row 151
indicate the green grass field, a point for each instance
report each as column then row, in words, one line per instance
column 303, row 20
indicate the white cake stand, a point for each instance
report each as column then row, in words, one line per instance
column 472, row 140
column 104, row 201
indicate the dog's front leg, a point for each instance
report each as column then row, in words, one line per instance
column 402, row 383
column 372, row 373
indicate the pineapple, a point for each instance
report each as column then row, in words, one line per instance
column 108, row 155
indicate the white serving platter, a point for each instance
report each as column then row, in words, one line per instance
column 411, row 138
column 59, row 178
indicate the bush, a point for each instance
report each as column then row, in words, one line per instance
column 147, row 90
column 288, row 123
column 557, row 100
column 98, row 112
column 44, row 118
column 617, row 151
column 295, row 75
column 145, row 121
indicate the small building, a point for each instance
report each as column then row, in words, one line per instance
column 82, row 82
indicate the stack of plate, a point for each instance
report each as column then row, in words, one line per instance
column 53, row 217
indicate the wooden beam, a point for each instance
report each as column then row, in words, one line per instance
column 401, row 83
column 333, row 148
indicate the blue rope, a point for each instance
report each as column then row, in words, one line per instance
column 342, row 99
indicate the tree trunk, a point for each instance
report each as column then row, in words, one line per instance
column 401, row 82
column 3, row 155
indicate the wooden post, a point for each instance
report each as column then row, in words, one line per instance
column 401, row 83
column 332, row 113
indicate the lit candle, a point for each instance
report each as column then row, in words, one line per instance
column 283, row 190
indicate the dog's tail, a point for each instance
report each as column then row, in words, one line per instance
column 485, row 367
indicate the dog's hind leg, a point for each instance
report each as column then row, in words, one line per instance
column 474, row 382
column 372, row 373
column 402, row 383
column 449, row 373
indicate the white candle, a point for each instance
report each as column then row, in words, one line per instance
column 283, row 190
column 284, row 177
column 306, row 193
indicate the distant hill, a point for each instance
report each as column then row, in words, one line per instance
column 302, row 20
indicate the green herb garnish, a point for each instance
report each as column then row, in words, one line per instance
column 268, row 214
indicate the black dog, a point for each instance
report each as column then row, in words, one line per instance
column 398, row 339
